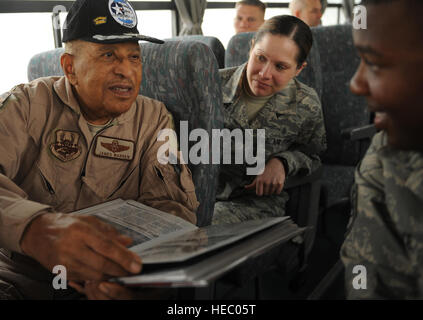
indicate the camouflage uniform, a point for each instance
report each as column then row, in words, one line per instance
column 387, row 234
column 295, row 132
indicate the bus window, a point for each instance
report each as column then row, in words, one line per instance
column 32, row 33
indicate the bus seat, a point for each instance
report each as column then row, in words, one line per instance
column 214, row 44
column 342, row 109
column 238, row 49
column 45, row 64
column 41, row 65
column 184, row 76
column 342, row 112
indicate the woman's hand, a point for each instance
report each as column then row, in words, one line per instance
column 271, row 181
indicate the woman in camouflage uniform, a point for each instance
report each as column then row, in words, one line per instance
column 264, row 94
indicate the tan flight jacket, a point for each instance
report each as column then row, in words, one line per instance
column 40, row 171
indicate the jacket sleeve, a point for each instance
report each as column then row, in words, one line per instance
column 17, row 150
column 302, row 157
column 376, row 260
column 167, row 187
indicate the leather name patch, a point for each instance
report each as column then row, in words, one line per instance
column 114, row 148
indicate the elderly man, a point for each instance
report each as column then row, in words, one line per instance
column 249, row 15
column 310, row 11
column 53, row 132
column 383, row 253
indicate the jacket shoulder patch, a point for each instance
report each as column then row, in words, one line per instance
column 4, row 98
column 66, row 145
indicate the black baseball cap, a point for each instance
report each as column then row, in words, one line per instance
column 103, row 21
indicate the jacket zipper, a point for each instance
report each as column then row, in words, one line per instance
column 47, row 184
column 89, row 148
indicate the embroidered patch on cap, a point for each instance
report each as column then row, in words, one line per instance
column 114, row 148
column 123, row 13
column 66, row 146
column 100, row 20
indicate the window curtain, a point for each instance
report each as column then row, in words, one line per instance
column 191, row 13
column 348, row 10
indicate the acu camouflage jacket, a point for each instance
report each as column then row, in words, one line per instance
column 293, row 123
column 387, row 234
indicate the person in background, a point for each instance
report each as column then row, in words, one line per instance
column 383, row 250
column 310, row 11
column 249, row 15
column 264, row 94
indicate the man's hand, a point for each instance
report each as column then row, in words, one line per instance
column 89, row 248
column 271, row 181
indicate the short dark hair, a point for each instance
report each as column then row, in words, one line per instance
column 414, row 9
column 293, row 28
column 255, row 3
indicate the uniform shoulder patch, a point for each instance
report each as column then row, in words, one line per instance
column 6, row 97
column 66, row 145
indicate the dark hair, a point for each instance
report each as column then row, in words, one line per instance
column 255, row 3
column 413, row 10
column 293, row 28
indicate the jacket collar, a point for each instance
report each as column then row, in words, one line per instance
column 63, row 89
column 234, row 83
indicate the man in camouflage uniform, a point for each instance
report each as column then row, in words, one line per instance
column 383, row 252
column 295, row 134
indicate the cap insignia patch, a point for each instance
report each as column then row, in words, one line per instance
column 123, row 13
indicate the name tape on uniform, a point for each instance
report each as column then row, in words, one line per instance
column 114, row 148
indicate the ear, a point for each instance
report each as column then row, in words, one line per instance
column 67, row 63
column 297, row 13
column 301, row 68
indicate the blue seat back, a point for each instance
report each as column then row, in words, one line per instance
column 184, row 76
column 45, row 64
column 214, row 44
column 238, row 49
column 342, row 109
